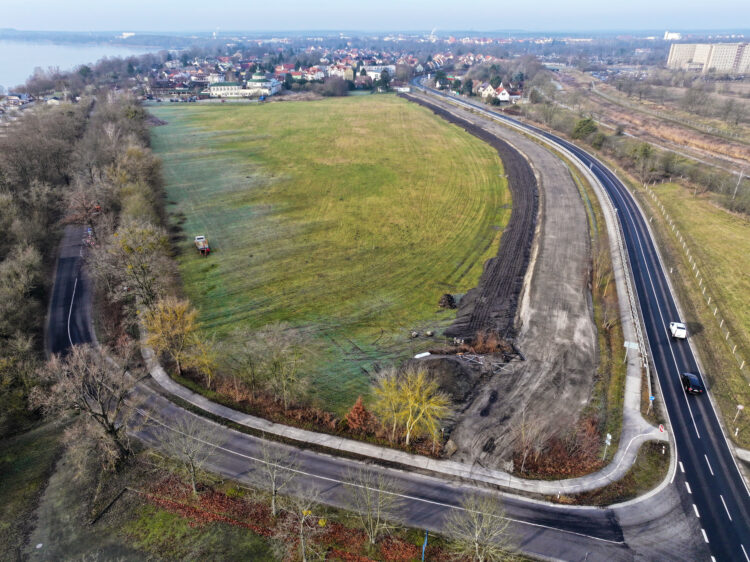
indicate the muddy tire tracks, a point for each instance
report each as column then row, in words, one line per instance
column 492, row 305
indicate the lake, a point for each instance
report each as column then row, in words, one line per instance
column 18, row 59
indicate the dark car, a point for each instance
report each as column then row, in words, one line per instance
column 692, row 383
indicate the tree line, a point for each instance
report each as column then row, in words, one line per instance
column 39, row 154
column 645, row 161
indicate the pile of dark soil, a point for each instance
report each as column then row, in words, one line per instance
column 447, row 301
column 491, row 306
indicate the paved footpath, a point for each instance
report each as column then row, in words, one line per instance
column 622, row 461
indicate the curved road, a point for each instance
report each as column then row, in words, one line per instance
column 708, row 478
column 653, row 528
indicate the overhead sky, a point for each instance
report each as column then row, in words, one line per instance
column 373, row 15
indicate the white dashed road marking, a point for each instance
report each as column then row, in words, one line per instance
column 725, row 507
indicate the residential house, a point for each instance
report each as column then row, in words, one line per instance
column 502, row 94
column 18, row 99
column 314, row 73
column 486, row 90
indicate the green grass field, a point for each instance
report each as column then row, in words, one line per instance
column 345, row 217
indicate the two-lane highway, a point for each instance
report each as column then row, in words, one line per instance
column 711, row 482
column 718, row 493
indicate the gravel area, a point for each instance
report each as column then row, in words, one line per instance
column 553, row 324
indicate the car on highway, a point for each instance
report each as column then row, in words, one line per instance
column 692, row 383
column 678, row 330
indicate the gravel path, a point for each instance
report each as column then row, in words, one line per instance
column 554, row 321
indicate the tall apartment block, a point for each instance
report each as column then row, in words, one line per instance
column 731, row 58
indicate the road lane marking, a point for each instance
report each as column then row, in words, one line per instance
column 705, row 538
column 688, row 487
column 637, row 236
column 671, row 481
column 621, row 190
column 343, row 482
column 709, row 465
column 698, row 515
column 658, row 304
column 725, row 507
column 70, row 310
column 682, row 468
column 742, row 546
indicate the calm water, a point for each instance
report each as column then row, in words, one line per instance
column 19, row 58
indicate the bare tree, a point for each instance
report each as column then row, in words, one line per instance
column 87, row 381
column 301, row 524
column 411, row 401
column 374, row 499
column 527, row 435
column 137, row 255
column 244, row 357
column 172, row 328
column 190, row 440
column 286, row 351
column 479, row 530
column 277, row 470
column 20, row 275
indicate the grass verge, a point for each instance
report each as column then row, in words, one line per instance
column 172, row 537
column 649, row 469
column 26, row 462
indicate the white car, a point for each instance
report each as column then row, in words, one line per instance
column 678, row 330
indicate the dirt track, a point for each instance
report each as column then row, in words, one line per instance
column 491, row 306
column 554, row 321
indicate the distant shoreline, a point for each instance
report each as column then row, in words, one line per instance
column 19, row 58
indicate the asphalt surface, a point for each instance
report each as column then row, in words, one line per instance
column 709, row 480
column 69, row 317
column 647, row 530
column 555, row 532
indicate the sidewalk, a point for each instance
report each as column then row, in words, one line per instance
column 622, row 461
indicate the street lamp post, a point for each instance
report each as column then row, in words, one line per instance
column 740, row 407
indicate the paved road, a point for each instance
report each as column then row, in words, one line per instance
column 646, row 530
column 709, row 480
column 69, row 318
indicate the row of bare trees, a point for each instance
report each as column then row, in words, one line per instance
column 477, row 528
column 102, row 392
column 37, row 165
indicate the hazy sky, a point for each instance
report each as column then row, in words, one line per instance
column 366, row 15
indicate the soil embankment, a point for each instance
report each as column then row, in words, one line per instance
column 491, row 306
column 554, row 326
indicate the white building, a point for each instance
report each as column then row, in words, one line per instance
column 374, row 72
column 732, row 58
column 258, row 85
column 225, row 90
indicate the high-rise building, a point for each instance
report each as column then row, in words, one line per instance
column 732, row 58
